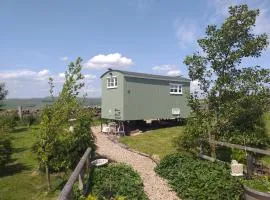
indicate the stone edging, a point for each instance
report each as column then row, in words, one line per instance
column 115, row 141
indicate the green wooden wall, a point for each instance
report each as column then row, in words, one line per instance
column 139, row 98
column 112, row 98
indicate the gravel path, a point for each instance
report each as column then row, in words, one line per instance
column 154, row 186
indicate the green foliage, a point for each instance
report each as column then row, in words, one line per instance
column 7, row 124
column 3, row 92
column 30, row 119
column 57, row 147
column 193, row 178
column 91, row 197
column 239, row 155
column 234, row 97
column 258, row 183
column 5, row 149
column 115, row 181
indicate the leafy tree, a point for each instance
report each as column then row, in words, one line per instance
column 57, row 147
column 234, row 95
column 3, row 92
column 5, row 126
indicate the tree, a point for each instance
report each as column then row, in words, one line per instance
column 3, row 92
column 59, row 149
column 234, row 96
column 5, row 123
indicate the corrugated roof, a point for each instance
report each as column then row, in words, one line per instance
column 149, row 76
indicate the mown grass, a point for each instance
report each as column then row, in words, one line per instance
column 21, row 178
column 157, row 142
column 160, row 141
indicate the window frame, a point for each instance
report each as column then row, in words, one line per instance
column 112, row 82
column 177, row 87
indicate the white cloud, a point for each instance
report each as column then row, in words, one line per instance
column 23, row 74
column 43, row 72
column 61, row 75
column 19, row 82
column 89, row 76
column 115, row 60
column 186, row 32
column 64, row 58
column 163, row 67
column 174, row 73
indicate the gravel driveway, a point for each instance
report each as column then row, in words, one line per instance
column 155, row 187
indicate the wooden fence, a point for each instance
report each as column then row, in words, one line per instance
column 77, row 175
column 250, row 158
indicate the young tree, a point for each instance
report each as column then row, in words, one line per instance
column 57, row 147
column 5, row 122
column 3, row 92
column 234, row 95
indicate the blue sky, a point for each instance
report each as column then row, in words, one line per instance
column 39, row 38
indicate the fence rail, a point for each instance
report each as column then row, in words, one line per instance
column 251, row 161
column 83, row 165
column 237, row 146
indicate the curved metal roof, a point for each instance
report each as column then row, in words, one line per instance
column 148, row 76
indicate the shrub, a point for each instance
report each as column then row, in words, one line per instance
column 6, row 126
column 5, row 149
column 117, row 180
column 193, row 178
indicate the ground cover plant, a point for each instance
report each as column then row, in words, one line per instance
column 115, row 181
column 261, row 183
column 193, row 178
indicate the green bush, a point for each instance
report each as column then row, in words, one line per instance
column 5, row 149
column 29, row 120
column 6, row 125
column 193, row 178
column 117, row 180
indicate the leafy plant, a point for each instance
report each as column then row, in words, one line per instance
column 233, row 97
column 117, row 181
column 193, row 178
column 57, row 148
column 5, row 149
column 258, row 183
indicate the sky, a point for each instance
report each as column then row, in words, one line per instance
column 38, row 39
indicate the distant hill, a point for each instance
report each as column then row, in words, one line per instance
column 40, row 102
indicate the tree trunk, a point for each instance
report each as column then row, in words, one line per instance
column 48, row 177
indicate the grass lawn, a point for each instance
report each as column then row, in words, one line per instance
column 157, row 142
column 21, row 178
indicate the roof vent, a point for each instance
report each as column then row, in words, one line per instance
column 110, row 69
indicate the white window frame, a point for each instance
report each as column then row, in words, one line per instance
column 178, row 88
column 112, row 82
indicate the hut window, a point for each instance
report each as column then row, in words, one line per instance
column 176, row 88
column 112, row 82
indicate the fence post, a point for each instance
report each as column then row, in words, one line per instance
column 249, row 166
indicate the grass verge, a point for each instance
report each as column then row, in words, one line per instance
column 21, row 178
